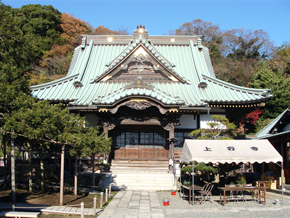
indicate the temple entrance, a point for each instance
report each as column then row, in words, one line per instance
column 136, row 142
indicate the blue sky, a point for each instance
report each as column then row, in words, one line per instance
column 159, row 16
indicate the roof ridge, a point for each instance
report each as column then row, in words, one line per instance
column 265, row 92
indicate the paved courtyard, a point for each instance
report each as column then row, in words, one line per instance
column 137, row 204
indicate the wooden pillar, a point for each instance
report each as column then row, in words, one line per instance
column 61, row 176
column 76, row 177
column 170, row 127
column 13, row 189
column 282, row 165
column 106, row 127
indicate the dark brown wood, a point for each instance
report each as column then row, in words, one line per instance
column 141, row 153
column 245, row 188
column 189, row 188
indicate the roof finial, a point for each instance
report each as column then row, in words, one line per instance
column 141, row 30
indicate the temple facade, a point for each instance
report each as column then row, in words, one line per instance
column 147, row 92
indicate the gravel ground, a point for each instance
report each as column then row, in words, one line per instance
column 179, row 208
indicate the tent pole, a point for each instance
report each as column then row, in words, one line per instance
column 192, row 183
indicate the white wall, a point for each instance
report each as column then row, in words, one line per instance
column 187, row 122
column 206, row 118
column 92, row 119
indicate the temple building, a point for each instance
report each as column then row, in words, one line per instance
column 147, row 92
column 278, row 133
column 143, row 90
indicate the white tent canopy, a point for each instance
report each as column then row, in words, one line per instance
column 229, row 151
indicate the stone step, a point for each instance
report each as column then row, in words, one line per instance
column 149, row 171
column 139, row 161
column 150, row 180
column 140, row 164
column 139, row 167
column 138, row 175
column 144, row 188
column 140, row 181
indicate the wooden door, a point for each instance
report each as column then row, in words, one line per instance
column 144, row 143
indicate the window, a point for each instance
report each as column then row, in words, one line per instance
column 137, row 136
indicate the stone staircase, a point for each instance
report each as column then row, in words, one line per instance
column 138, row 175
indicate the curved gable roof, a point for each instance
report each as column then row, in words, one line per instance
column 139, row 43
column 182, row 57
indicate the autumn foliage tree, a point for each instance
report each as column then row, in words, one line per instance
column 72, row 28
column 249, row 122
column 101, row 30
column 234, row 53
column 55, row 62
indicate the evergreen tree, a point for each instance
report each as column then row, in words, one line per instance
column 280, row 89
column 220, row 129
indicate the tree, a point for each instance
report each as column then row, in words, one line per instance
column 15, row 58
column 250, row 121
column 244, row 51
column 101, row 30
column 280, row 89
column 247, row 43
column 42, row 24
column 72, row 28
column 54, row 64
column 220, row 129
column 211, row 35
column 27, row 34
column 89, row 142
column 234, row 53
column 281, row 59
column 41, row 124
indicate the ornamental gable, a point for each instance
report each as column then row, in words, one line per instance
column 140, row 58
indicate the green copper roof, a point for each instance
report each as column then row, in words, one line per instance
column 274, row 129
column 185, row 74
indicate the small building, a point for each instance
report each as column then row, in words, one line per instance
column 278, row 133
column 147, row 92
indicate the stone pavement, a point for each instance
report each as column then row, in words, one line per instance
column 134, row 204
column 148, row 204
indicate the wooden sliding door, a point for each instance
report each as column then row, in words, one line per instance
column 141, row 142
